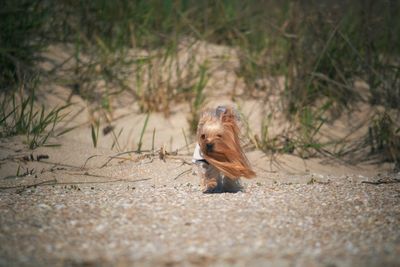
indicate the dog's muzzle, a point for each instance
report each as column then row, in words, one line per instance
column 209, row 147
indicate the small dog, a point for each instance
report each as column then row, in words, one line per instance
column 218, row 154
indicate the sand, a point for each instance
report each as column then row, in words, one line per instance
column 77, row 205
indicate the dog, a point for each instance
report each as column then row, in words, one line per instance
column 218, row 154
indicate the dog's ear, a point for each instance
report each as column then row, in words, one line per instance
column 220, row 111
column 228, row 114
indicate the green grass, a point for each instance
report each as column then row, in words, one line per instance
column 94, row 130
column 20, row 116
column 140, row 143
column 319, row 47
column 197, row 98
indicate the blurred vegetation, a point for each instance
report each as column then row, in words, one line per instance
column 320, row 47
column 22, row 38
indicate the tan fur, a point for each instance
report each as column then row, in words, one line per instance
column 223, row 134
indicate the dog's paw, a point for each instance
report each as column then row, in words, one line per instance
column 212, row 190
column 212, row 186
column 232, row 185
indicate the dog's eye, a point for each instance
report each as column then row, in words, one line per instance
column 203, row 136
column 219, row 135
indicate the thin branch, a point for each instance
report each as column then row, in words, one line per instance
column 380, row 181
column 182, row 173
column 54, row 182
column 89, row 158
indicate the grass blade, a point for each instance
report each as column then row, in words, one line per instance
column 152, row 139
column 95, row 132
column 142, row 133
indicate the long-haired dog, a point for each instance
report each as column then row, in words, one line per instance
column 218, row 154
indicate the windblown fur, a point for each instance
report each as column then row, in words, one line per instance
column 218, row 137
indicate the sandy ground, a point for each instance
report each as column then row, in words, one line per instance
column 77, row 209
column 76, row 205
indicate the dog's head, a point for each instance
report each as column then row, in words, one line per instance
column 218, row 137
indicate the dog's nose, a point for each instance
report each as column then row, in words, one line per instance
column 209, row 147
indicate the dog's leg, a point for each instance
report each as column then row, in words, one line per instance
column 231, row 185
column 211, row 179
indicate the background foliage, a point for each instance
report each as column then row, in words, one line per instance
column 320, row 47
